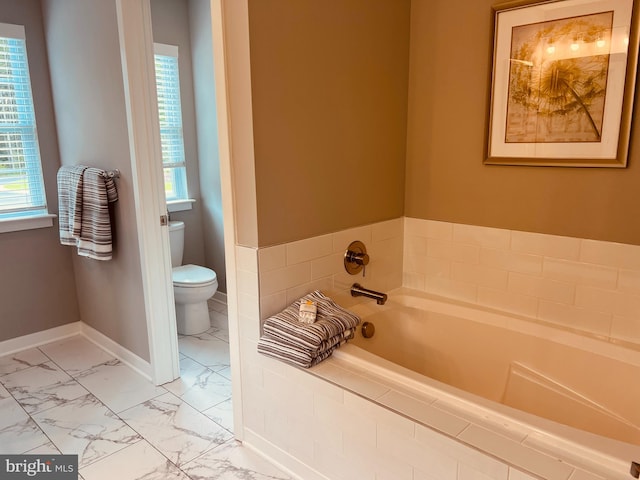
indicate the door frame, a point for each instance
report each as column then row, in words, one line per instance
column 136, row 46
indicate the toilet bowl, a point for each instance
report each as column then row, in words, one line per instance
column 193, row 285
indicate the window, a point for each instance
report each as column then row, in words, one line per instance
column 21, row 184
column 170, row 113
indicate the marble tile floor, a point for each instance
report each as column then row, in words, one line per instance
column 72, row 397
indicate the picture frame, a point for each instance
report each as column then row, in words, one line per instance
column 563, row 82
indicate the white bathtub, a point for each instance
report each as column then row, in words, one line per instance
column 578, row 396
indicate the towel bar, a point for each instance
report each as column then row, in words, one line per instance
column 111, row 173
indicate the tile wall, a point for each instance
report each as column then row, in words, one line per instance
column 318, row 430
column 587, row 285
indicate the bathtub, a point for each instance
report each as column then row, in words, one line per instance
column 578, row 395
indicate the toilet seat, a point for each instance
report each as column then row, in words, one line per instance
column 193, row 276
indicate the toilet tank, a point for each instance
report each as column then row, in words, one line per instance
column 176, row 241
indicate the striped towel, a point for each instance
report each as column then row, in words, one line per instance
column 84, row 194
column 305, row 344
column 70, row 203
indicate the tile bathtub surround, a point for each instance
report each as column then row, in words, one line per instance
column 586, row 285
column 73, row 397
column 323, row 429
column 289, row 271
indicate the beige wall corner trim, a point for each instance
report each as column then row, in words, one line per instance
column 136, row 49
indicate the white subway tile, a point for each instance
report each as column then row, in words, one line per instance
column 539, row 287
column 513, row 431
column 247, row 259
column 609, row 301
column 327, row 266
column 610, row 254
column 514, row 453
column 385, row 230
column 342, row 239
column 248, row 305
column 435, row 229
column 414, row 226
column 288, row 394
column 308, row 249
column 429, row 457
column 420, row 475
column 566, row 248
column 322, row 284
column 581, row 475
column 415, row 246
column 479, row 275
column 354, row 382
column 388, row 468
column 271, row 258
column 382, row 416
column 511, row 261
column 300, row 443
column 423, row 412
column 465, row 472
column 341, row 466
column 508, row 301
column 428, row 228
column 518, row 475
column 629, row 281
column 283, row 278
column 484, row 236
column 625, row 328
column 247, row 282
column 580, row 273
column 416, row 281
column 430, row 266
column 452, row 251
column 578, row 318
column 272, row 304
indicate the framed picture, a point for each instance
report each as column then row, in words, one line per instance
column 563, row 83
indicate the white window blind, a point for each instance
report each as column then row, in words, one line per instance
column 21, row 184
column 170, row 113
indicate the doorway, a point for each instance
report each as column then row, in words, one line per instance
column 136, row 44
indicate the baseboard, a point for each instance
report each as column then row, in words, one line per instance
column 32, row 340
column 281, row 459
column 220, row 297
column 125, row 356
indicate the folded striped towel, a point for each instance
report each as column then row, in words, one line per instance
column 305, row 344
column 84, row 194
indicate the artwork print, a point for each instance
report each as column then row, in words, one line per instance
column 558, row 80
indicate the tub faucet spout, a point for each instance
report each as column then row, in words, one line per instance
column 358, row 290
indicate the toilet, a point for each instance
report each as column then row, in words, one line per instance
column 192, row 286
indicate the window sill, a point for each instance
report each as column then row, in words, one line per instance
column 180, row 205
column 26, row 223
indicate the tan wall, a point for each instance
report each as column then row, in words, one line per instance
column 37, row 286
column 329, row 92
column 446, row 180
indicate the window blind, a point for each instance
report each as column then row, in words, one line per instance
column 21, row 184
column 170, row 114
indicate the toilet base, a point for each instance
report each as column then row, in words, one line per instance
column 192, row 318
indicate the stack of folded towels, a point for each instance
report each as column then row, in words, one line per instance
column 288, row 338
